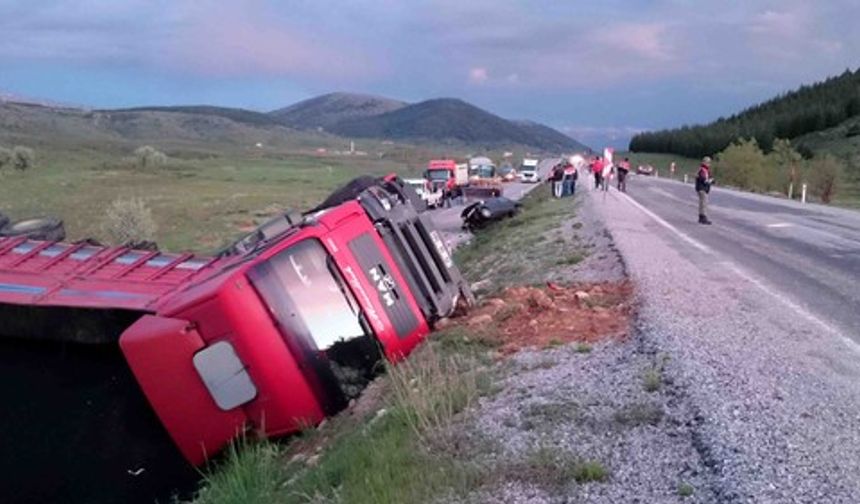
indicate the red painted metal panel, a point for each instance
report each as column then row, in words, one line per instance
column 159, row 351
column 90, row 276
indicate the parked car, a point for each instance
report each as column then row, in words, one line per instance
column 431, row 197
column 481, row 213
column 645, row 170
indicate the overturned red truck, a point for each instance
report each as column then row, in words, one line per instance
column 280, row 330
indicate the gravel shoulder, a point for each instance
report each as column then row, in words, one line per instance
column 610, row 404
column 773, row 395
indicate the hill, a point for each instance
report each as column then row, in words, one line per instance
column 234, row 114
column 450, row 120
column 190, row 129
column 204, row 128
column 330, row 109
column 802, row 112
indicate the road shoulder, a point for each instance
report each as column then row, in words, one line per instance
column 775, row 393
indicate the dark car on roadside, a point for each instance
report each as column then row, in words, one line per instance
column 484, row 212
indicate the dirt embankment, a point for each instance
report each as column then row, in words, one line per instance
column 541, row 317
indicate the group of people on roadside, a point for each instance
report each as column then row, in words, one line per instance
column 564, row 175
column 603, row 171
column 563, row 178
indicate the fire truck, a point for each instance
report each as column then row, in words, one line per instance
column 102, row 346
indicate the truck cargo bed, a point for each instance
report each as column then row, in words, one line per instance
column 77, row 428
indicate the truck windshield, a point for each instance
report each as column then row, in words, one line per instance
column 438, row 174
column 307, row 295
column 483, row 171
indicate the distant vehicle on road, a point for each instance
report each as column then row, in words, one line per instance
column 446, row 175
column 484, row 180
column 431, row 196
column 507, row 173
column 645, row 169
column 528, row 171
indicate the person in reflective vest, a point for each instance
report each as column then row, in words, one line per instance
column 703, row 188
column 597, row 169
column 623, row 170
column 569, row 179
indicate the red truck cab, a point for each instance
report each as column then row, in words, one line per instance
column 442, row 174
column 272, row 336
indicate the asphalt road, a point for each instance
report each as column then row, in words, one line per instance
column 810, row 254
column 755, row 322
column 448, row 220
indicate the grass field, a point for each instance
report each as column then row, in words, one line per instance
column 207, row 194
column 197, row 204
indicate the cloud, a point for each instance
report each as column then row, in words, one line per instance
column 250, row 39
column 635, row 40
column 478, row 75
column 203, row 38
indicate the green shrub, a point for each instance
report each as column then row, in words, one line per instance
column 23, row 158
column 149, row 157
column 129, row 221
column 824, row 175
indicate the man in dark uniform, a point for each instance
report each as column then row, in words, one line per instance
column 703, row 187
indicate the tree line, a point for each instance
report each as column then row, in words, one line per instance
column 810, row 108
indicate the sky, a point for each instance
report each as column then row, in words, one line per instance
column 598, row 70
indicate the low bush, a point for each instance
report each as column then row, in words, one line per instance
column 129, row 221
column 149, row 157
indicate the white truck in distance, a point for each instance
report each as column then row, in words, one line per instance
column 528, row 171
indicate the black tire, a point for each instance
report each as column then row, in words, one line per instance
column 4, row 220
column 46, row 228
column 348, row 192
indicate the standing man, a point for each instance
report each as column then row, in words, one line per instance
column 703, row 187
column 597, row 169
column 569, row 179
column 555, row 179
column 623, row 170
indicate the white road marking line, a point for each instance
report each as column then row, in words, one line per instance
column 780, row 225
column 696, row 243
column 809, row 316
column 850, row 343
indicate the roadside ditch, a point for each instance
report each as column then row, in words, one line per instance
column 542, row 393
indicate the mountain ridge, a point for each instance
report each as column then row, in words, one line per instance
column 447, row 121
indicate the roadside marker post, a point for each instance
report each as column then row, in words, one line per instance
column 685, row 178
column 790, row 190
column 803, row 193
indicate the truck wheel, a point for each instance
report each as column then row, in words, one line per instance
column 47, row 228
column 348, row 192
